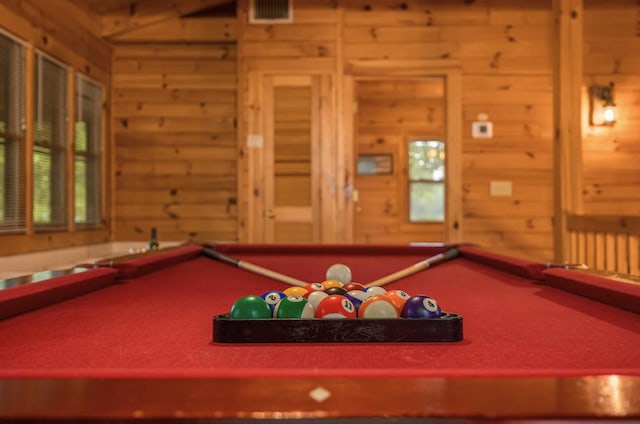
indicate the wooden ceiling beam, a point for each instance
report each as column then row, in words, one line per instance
column 141, row 13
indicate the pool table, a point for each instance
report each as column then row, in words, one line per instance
column 133, row 339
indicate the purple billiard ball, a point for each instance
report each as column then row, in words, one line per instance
column 421, row 306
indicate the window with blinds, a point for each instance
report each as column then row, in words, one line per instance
column 49, row 145
column 88, row 152
column 12, row 138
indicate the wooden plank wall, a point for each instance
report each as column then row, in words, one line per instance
column 307, row 46
column 506, row 56
column 175, row 132
column 611, row 154
column 388, row 114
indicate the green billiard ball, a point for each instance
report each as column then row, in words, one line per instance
column 294, row 307
column 250, row 307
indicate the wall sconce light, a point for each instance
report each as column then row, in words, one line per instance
column 602, row 109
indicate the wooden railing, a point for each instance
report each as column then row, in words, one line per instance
column 604, row 242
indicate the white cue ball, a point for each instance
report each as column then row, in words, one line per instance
column 339, row 272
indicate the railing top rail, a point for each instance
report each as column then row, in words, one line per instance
column 604, row 223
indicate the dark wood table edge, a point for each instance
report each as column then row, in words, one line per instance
column 589, row 397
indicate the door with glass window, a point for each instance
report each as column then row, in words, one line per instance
column 400, row 145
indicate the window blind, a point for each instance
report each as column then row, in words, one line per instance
column 88, row 152
column 49, row 149
column 12, row 136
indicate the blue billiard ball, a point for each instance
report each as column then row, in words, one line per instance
column 421, row 306
column 272, row 298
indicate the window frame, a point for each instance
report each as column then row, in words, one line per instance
column 408, row 181
column 95, row 156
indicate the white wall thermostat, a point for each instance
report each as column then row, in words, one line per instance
column 482, row 128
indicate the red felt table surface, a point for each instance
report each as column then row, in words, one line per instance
column 160, row 324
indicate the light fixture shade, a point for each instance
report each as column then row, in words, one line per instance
column 602, row 109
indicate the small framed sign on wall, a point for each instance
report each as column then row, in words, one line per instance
column 375, row 164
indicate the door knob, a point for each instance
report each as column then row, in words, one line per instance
column 269, row 214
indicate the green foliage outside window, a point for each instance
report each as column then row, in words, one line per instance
column 426, row 181
column 41, row 185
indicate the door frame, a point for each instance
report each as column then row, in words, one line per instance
column 450, row 71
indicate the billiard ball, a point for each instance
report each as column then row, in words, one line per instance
column 356, row 297
column 335, row 290
column 295, row 291
column 311, row 287
column 339, row 272
column 316, row 297
column 378, row 306
column 272, row 298
column 398, row 298
column 421, row 306
column 335, row 306
column 250, row 307
column 294, row 307
column 353, row 286
column 374, row 290
column 331, row 283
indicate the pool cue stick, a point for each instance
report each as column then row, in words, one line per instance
column 248, row 266
column 412, row 269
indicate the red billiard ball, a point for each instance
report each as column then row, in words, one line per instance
column 311, row 287
column 378, row 306
column 335, row 306
column 353, row 286
column 421, row 306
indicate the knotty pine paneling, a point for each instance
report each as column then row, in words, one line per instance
column 611, row 155
column 505, row 51
column 175, row 135
column 389, row 114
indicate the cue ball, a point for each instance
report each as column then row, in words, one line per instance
column 339, row 272
column 421, row 306
column 250, row 307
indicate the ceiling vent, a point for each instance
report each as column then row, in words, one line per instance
column 271, row 11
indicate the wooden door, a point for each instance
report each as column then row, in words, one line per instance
column 392, row 116
column 290, row 159
column 291, row 173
